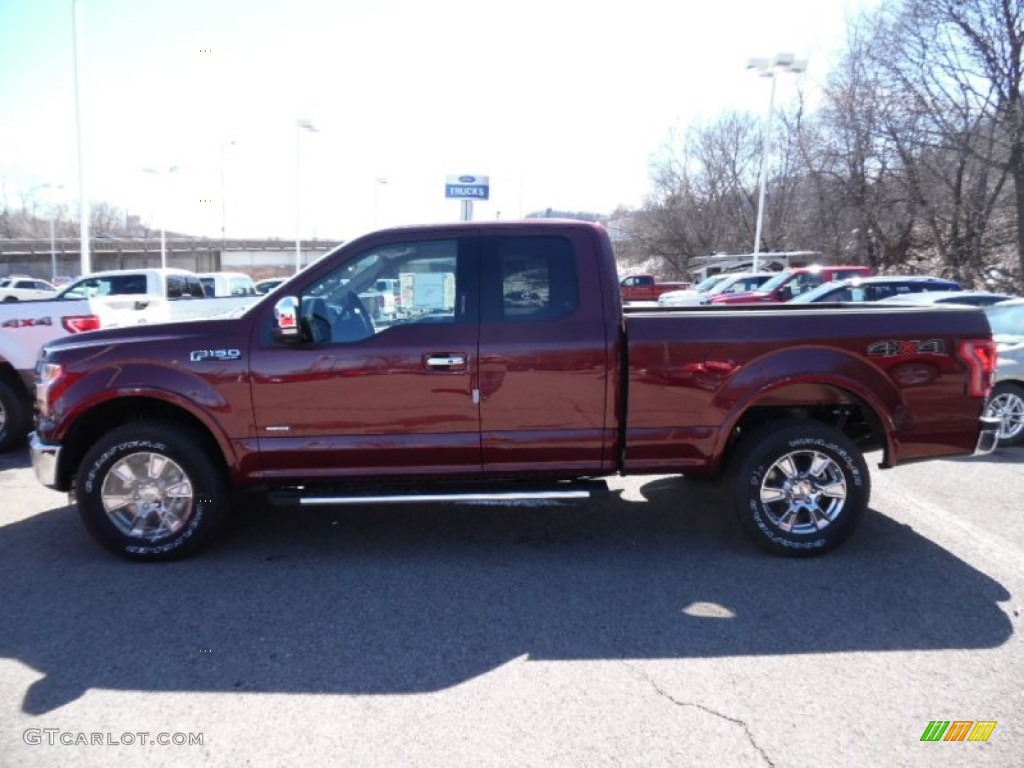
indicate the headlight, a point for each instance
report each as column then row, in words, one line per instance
column 46, row 375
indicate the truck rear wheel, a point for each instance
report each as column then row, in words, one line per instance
column 800, row 488
column 150, row 491
column 14, row 416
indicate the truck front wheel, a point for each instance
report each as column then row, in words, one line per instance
column 800, row 488
column 149, row 491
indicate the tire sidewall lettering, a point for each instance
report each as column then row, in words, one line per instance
column 98, row 470
column 763, row 451
column 125, row 448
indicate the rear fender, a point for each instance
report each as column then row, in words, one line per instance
column 778, row 378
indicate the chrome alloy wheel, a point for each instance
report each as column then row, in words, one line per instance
column 1008, row 407
column 803, row 492
column 147, row 496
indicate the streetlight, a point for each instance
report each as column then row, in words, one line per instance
column 53, row 238
column 223, row 194
column 160, row 213
column 300, row 124
column 783, row 62
column 83, row 201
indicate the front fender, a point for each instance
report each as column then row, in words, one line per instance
column 195, row 394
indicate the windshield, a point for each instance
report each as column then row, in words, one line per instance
column 821, row 293
column 1007, row 321
column 770, row 285
column 708, row 283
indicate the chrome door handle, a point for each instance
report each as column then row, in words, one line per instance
column 446, row 361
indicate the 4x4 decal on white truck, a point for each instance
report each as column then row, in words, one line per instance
column 26, row 322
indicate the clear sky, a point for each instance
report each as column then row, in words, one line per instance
column 561, row 103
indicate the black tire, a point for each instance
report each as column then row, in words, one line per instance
column 188, row 495
column 778, row 476
column 8, row 299
column 15, row 416
column 1006, row 403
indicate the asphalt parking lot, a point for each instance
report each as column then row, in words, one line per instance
column 639, row 630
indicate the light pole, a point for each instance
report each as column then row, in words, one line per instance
column 223, row 194
column 783, row 62
column 53, row 237
column 377, row 183
column 83, row 201
column 160, row 212
column 300, row 125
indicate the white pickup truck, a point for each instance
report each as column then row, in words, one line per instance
column 25, row 326
column 137, row 296
column 101, row 300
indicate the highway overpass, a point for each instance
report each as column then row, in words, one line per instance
column 259, row 257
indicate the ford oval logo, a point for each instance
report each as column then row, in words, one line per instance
column 467, row 179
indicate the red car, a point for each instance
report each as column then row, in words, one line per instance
column 792, row 282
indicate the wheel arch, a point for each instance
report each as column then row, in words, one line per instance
column 860, row 402
column 108, row 415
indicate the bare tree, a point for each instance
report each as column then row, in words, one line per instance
column 704, row 194
column 959, row 66
column 856, row 201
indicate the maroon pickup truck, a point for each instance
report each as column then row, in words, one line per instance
column 646, row 288
column 510, row 371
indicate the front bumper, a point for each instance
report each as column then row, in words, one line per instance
column 45, row 459
column 987, row 440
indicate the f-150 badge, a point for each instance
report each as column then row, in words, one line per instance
column 199, row 355
column 893, row 348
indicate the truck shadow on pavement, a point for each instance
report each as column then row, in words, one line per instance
column 417, row 599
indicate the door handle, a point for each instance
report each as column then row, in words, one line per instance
column 446, row 362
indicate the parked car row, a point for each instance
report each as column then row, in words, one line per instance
column 810, row 285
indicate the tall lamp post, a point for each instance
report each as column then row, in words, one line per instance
column 84, row 213
column 160, row 214
column 223, row 194
column 770, row 68
column 300, row 125
column 53, row 235
column 377, row 184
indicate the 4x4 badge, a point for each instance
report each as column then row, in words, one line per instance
column 893, row 348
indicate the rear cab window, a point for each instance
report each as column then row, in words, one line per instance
column 538, row 280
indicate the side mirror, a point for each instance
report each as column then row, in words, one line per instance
column 286, row 319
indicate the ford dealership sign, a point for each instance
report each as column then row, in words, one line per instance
column 466, row 187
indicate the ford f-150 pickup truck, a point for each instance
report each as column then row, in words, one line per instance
column 512, row 372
